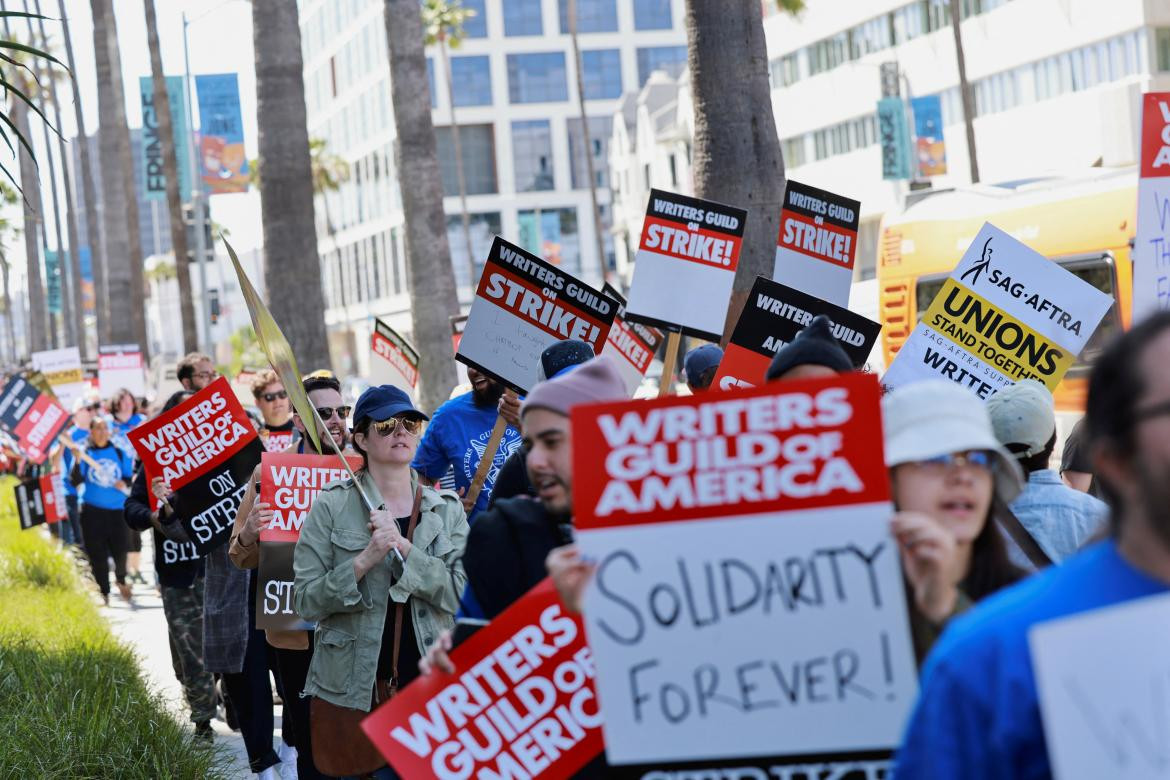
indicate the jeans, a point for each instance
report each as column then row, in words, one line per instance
column 106, row 536
column 71, row 525
column 292, row 668
column 251, row 696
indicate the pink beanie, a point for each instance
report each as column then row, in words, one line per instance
column 593, row 381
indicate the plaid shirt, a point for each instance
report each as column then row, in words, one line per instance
column 226, row 594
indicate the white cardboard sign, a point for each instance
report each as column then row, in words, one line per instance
column 632, row 345
column 817, row 245
column 62, row 368
column 1005, row 313
column 1104, row 692
column 121, row 366
column 685, row 266
column 1151, row 245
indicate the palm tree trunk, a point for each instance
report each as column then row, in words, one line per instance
column 292, row 267
column 166, row 135
column 737, row 157
column 125, row 283
column 37, row 324
column 466, row 217
column 93, row 227
column 76, row 316
column 428, row 255
column 965, row 91
column 586, row 140
column 9, row 317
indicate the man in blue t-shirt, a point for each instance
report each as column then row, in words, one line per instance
column 978, row 714
column 457, row 437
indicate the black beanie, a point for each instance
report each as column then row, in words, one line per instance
column 815, row 345
column 559, row 356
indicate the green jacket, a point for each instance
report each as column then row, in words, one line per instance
column 351, row 614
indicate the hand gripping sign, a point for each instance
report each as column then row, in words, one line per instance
column 1151, row 245
column 393, row 361
column 1005, row 313
column 631, row 344
column 686, row 264
column 817, row 243
column 773, row 316
column 33, row 418
column 288, row 483
column 206, row 448
column 748, row 599
column 521, row 703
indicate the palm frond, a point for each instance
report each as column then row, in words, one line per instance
column 33, row 50
column 12, row 88
column 20, row 137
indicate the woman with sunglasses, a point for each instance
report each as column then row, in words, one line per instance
column 950, row 480
column 381, row 584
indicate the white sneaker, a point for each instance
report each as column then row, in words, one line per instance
column 288, row 761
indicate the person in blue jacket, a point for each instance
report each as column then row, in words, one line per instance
column 103, row 473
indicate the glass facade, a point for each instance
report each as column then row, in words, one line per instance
column 471, row 81
column 652, row 15
column 521, row 17
column 602, row 73
column 478, row 145
column 672, row 59
column 483, row 229
column 552, row 235
column 475, row 26
column 532, row 155
column 593, row 16
column 600, row 129
column 537, row 78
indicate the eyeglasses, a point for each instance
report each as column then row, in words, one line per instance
column 205, row 374
column 94, row 407
column 390, row 427
column 979, row 459
column 1157, row 410
column 326, row 412
column 270, row 397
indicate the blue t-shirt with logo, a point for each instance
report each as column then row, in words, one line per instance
column 457, row 438
column 978, row 713
column 78, row 435
column 118, row 431
column 98, row 488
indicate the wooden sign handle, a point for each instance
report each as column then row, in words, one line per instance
column 665, row 385
column 489, row 456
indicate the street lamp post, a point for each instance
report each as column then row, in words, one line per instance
column 196, row 197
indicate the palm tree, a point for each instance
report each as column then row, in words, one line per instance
column 8, row 198
column 74, row 260
column 38, row 329
column 292, row 268
column 585, row 139
column 10, row 50
column 93, row 227
column 443, row 21
column 124, row 274
column 428, row 255
column 737, row 157
column 166, row 135
column 329, row 172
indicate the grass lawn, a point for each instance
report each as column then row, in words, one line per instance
column 73, row 702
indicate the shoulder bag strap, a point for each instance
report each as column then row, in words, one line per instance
column 400, row 609
column 1020, row 535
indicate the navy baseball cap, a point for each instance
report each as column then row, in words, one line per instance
column 700, row 359
column 383, row 402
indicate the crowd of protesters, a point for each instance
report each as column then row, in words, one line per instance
column 992, row 541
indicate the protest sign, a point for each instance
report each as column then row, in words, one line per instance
column 817, row 243
column 686, row 264
column 394, row 361
column 748, row 599
column 1005, row 313
column 62, row 369
column 522, row 703
column 288, row 483
column 30, row 503
column 772, row 317
column 458, row 325
column 1101, row 683
column 33, row 418
column 1151, row 244
column 120, row 366
column 632, row 345
column 524, row 305
column 206, row 448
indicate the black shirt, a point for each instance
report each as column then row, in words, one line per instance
column 175, row 561
column 512, row 479
column 408, row 654
column 1075, row 456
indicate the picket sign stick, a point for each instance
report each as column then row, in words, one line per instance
column 671, row 357
column 489, row 455
column 345, row 462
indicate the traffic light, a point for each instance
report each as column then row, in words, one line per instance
column 208, row 245
column 213, row 305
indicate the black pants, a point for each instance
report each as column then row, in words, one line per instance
column 106, row 536
column 292, row 668
column 251, row 696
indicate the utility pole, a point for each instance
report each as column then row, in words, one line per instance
column 956, row 9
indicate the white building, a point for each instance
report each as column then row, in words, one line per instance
column 516, row 104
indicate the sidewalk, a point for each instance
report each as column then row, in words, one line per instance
column 144, row 629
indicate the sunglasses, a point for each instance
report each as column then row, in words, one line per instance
column 270, row 397
column 327, row 412
column 391, row 426
column 979, row 459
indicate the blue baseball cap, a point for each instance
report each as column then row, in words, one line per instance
column 700, row 359
column 383, row 402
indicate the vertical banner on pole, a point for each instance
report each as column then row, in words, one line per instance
column 928, row 135
column 154, row 180
column 223, row 161
column 894, row 134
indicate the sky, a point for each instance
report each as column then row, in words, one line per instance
column 220, row 41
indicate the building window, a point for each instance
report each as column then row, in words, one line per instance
column 1162, row 49
column 522, row 17
column 652, row 15
column 600, row 130
column 532, row 155
column 552, row 235
column 793, row 150
column 479, row 159
column 483, row 228
column 593, row 16
column 537, row 78
column 785, row 70
column 672, row 59
column 475, row 26
column 471, row 80
column 602, row 73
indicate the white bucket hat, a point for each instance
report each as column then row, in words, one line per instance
column 935, row 417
